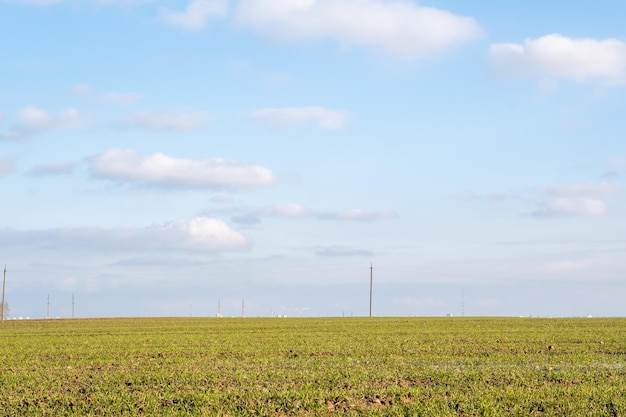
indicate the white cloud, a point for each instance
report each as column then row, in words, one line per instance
column 588, row 188
column 320, row 116
column 563, row 207
column 202, row 234
column 32, row 120
column 196, row 15
column 207, row 233
column 53, row 168
column 557, row 56
column 358, row 215
column 162, row 170
column 34, row 117
column 170, row 121
column 121, row 99
column 397, row 27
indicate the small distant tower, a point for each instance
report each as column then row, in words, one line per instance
column 371, row 277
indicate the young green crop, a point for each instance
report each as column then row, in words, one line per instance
column 314, row 367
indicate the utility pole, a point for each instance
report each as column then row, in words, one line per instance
column 371, row 276
column 4, row 281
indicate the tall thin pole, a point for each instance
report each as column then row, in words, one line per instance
column 242, row 307
column 73, row 304
column 4, row 281
column 371, row 277
column 48, row 311
column 219, row 305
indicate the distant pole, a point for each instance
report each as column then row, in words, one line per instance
column 242, row 307
column 219, row 305
column 73, row 304
column 371, row 277
column 48, row 311
column 4, row 281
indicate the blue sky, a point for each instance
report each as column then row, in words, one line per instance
column 163, row 157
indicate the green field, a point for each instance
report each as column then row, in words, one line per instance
column 314, row 367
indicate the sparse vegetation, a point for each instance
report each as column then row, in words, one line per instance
column 314, row 367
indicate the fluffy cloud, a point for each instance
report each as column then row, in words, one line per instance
column 320, row 116
column 557, row 56
column 162, row 170
column 207, row 234
column 32, row 120
column 196, row 15
column 170, row 121
column 574, row 199
column 565, row 207
column 202, row 234
column 397, row 27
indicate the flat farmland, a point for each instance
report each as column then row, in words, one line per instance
column 313, row 367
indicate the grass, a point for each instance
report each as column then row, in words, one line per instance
column 314, row 367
